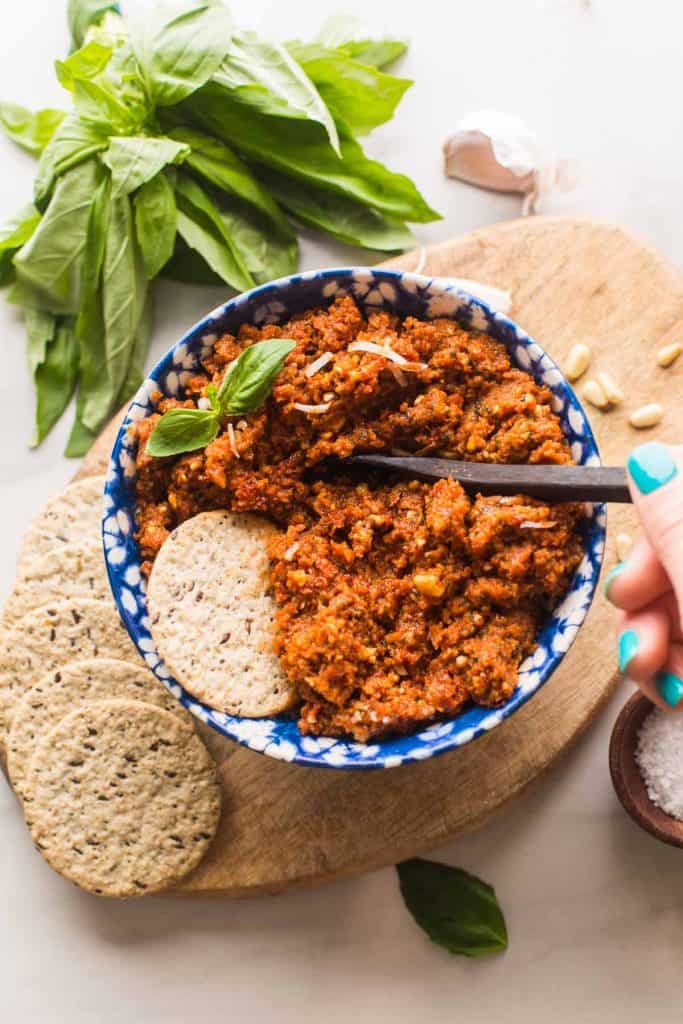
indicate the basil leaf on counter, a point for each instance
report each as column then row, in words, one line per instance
column 55, row 376
column 178, row 47
column 265, row 76
column 156, row 219
column 300, row 150
column 133, row 161
column 457, row 910
column 343, row 218
column 348, row 34
column 32, row 131
column 251, row 376
column 182, row 430
column 201, row 226
column 360, row 96
column 49, row 265
column 73, row 143
column 15, row 233
column 220, row 166
column 81, row 14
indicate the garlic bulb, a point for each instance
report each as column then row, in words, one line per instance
column 497, row 151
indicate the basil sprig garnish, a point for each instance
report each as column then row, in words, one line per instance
column 245, row 387
column 457, row 910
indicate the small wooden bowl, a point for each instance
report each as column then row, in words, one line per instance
column 626, row 777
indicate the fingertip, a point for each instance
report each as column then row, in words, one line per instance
column 669, row 688
column 611, row 577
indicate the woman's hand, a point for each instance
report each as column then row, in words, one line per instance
column 648, row 587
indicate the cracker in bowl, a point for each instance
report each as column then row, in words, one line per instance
column 212, row 616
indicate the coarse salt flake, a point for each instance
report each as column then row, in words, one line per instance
column 659, row 756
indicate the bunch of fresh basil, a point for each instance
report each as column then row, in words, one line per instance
column 192, row 149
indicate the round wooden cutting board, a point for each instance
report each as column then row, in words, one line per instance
column 286, row 825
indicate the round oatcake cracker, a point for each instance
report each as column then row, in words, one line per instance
column 73, row 516
column 54, row 635
column 66, row 571
column 212, row 615
column 124, row 798
column 68, row 687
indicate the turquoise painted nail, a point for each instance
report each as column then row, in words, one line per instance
column 669, row 688
column 616, row 571
column 628, row 648
column 651, row 466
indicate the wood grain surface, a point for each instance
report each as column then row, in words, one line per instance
column 286, row 825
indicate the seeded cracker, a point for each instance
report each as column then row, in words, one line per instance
column 54, row 635
column 73, row 516
column 67, row 571
column 124, row 798
column 69, row 687
column 213, row 617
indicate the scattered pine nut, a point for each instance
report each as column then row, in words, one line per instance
column 668, row 354
column 624, row 546
column 647, row 416
column 594, row 394
column 577, row 361
column 613, row 392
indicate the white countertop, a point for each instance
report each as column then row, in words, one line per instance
column 594, row 906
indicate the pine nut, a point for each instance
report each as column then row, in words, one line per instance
column 624, row 546
column 613, row 392
column 668, row 354
column 647, row 416
column 577, row 361
column 594, row 394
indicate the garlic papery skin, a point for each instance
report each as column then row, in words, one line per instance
column 492, row 150
column 497, row 151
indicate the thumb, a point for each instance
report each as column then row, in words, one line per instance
column 656, row 484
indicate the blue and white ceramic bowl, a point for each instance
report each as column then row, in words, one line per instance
column 405, row 294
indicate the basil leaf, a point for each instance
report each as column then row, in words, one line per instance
column 135, row 160
column 124, row 293
column 156, row 220
column 178, row 47
column 94, row 394
column 358, row 95
column 40, row 330
column 13, row 234
column 49, row 265
column 83, row 64
column 265, row 76
column 266, row 253
column 182, row 430
column 188, row 266
column 31, row 131
column 457, row 910
column 343, row 218
column 298, row 149
column 54, row 377
column 201, row 226
column 81, row 14
column 73, row 143
column 80, row 438
column 251, row 376
column 349, row 34
column 220, row 166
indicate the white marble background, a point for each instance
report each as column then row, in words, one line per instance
column 594, row 907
